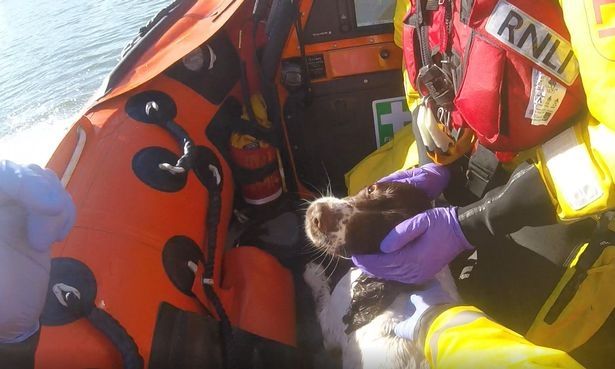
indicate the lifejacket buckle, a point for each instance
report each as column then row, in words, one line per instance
column 483, row 168
column 432, row 81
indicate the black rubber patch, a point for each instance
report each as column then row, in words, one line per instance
column 215, row 83
column 73, row 273
column 135, row 106
column 185, row 340
column 176, row 254
column 145, row 166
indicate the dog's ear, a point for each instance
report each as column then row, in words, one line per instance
column 366, row 230
column 380, row 208
column 387, row 196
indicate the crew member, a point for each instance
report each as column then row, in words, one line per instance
column 35, row 211
column 570, row 178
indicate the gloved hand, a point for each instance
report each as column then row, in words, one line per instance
column 430, row 296
column 417, row 248
column 35, row 211
column 430, row 178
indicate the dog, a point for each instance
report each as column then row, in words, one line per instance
column 356, row 225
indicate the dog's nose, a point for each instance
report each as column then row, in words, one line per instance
column 323, row 218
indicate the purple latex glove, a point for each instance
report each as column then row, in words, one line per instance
column 35, row 211
column 416, row 249
column 430, row 178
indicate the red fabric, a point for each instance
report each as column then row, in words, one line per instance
column 495, row 85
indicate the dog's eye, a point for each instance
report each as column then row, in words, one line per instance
column 371, row 189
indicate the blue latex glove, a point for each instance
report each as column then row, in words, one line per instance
column 35, row 211
column 431, row 178
column 432, row 294
column 416, row 249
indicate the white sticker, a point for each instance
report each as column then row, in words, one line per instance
column 571, row 169
column 534, row 40
column 545, row 98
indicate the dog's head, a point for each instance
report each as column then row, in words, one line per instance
column 357, row 224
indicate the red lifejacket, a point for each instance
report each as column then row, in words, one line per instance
column 516, row 79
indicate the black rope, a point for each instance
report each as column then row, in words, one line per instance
column 111, row 328
column 212, row 221
column 188, row 161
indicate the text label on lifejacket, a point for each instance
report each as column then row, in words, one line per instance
column 534, row 40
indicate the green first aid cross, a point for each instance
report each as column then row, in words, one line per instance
column 389, row 116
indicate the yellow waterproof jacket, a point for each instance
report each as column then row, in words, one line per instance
column 462, row 337
column 579, row 164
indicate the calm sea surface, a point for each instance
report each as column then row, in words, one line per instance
column 53, row 56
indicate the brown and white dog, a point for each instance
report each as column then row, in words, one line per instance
column 356, row 225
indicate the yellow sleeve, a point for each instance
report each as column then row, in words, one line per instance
column 463, row 337
column 578, row 165
column 591, row 24
column 401, row 8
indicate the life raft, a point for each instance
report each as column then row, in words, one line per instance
column 150, row 277
column 144, row 278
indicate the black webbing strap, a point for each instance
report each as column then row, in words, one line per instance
column 250, row 176
column 434, row 82
column 482, row 170
column 245, row 92
column 425, row 50
column 601, row 238
column 465, row 11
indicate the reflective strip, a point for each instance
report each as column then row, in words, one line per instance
column 465, row 317
column 534, row 40
column 72, row 163
column 572, row 170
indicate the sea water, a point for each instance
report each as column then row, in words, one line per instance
column 53, row 57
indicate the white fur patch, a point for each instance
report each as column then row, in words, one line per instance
column 373, row 346
column 343, row 211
